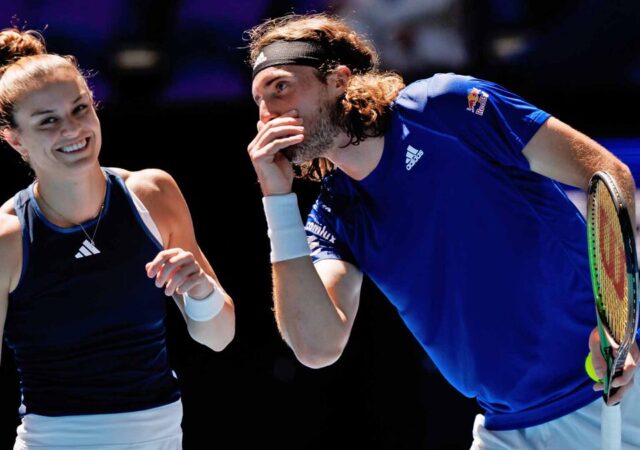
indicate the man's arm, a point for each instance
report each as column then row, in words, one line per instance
column 566, row 155
column 315, row 307
column 559, row 152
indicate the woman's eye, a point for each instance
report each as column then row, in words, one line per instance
column 48, row 121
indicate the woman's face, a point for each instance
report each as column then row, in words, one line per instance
column 58, row 131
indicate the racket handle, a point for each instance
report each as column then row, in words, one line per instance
column 611, row 427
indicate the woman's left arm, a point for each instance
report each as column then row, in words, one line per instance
column 182, row 268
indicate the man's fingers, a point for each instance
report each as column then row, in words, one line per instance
column 277, row 133
column 599, row 364
column 275, row 146
column 615, row 398
column 264, row 128
column 627, row 374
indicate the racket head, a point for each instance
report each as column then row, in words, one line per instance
column 614, row 272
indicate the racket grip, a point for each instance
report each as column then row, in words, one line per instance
column 611, row 427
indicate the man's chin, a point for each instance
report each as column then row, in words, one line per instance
column 297, row 155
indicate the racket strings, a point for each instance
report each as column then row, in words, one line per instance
column 611, row 264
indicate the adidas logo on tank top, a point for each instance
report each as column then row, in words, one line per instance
column 87, row 249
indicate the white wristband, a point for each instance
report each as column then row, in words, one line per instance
column 286, row 232
column 205, row 309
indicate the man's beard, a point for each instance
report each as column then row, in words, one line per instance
column 318, row 138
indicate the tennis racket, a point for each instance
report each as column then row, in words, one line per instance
column 614, row 276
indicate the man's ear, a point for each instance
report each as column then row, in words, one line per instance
column 339, row 78
column 12, row 137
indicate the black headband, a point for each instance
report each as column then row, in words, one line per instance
column 279, row 53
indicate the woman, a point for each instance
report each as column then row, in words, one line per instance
column 86, row 257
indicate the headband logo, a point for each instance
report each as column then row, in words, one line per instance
column 259, row 60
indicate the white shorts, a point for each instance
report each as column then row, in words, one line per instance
column 578, row 430
column 151, row 429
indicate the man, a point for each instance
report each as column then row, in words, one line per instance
column 503, row 304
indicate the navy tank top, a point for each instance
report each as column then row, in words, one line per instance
column 85, row 323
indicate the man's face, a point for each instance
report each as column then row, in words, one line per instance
column 281, row 89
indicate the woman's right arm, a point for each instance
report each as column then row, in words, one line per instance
column 10, row 260
column 4, row 299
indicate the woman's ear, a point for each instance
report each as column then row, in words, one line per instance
column 12, row 137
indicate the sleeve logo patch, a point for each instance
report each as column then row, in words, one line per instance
column 476, row 101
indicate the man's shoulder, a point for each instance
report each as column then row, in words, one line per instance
column 438, row 85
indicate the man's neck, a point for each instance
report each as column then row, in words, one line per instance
column 357, row 161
